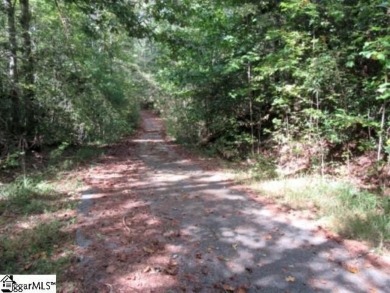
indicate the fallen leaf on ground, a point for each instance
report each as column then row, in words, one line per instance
column 27, row 266
column 122, row 257
column 352, row 269
column 227, row 287
column 148, row 250
column 240, row 290
column 39, row 255
column 290, row 279
column 110, row 269
column 172, row 269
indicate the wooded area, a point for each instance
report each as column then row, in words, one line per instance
column 292, row 78
column 96, row 96
column 65, row 72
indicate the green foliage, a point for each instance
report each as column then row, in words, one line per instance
column 66, row 157
column 263, row 169
column 274, row 71
column 26, row 196
column 35, row 236
column 387, row 147
column 34, row 247
column 82, row 88
column 27, row 205
column 58, row 152
column 11, row 160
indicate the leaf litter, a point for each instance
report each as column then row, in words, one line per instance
column 135, row 254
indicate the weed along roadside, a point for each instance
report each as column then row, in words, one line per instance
column 38, row 213
column 334, row 203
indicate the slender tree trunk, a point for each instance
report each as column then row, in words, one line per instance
column 259, row 133
column 369, row 128
column 382, row 130
column 381, row 133
column 66, row 33
column 13, row 66
column 249, row 73
column 27, row 67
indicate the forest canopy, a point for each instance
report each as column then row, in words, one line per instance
column 309, row 77
column 66, row 71
column 239, row 77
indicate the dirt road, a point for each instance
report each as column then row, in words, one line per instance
column 152, row 220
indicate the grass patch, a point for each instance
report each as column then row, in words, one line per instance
column 34, row 250
column 65, row 157
column 33, row 238
column 26, row 196
column 354, row 213
column 30, row 196
column 37, row 212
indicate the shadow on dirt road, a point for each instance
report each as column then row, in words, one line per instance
column 153, row 221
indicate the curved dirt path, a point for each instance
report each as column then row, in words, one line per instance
column 153, row 220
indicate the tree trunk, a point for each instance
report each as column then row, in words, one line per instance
column 381, row 132
column 27, row 68
column 13, row 93
column 249, row 76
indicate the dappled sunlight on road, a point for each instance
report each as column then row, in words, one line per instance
column 157, row 222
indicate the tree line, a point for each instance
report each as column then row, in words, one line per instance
column 244, row 76
column 239, row 77
column 66, row 72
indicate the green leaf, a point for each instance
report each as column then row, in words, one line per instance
column 367, row 54
column 380, row 56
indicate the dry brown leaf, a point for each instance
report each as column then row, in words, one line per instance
column 290, row 279
column 221, row 258
column 110, row 269
column 227, row 287
column 122, row 257
column 172, row 269
column 35, row 256
column 148, row 250
column 27, row 266
column 352, row 269
column 241, row 290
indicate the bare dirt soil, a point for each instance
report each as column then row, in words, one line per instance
column 153, row 219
